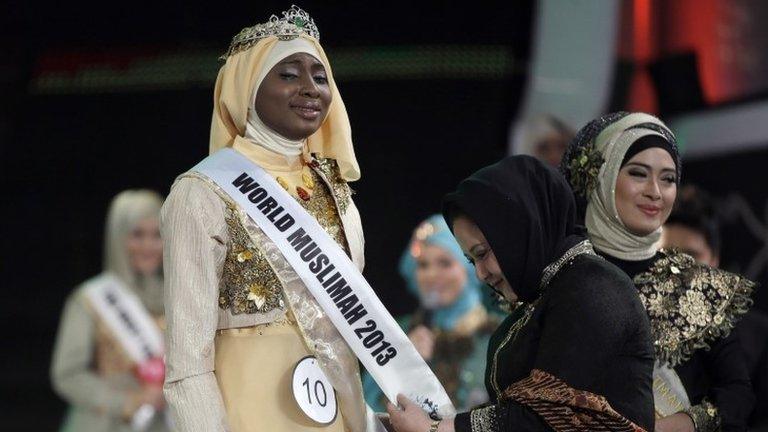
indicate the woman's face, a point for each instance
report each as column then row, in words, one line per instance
column 440, row 276
column 145, row 247
column 645, row 191
column 479, row 253
column 294, row 96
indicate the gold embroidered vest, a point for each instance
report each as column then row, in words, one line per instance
column 690, row 304
column 248, row 283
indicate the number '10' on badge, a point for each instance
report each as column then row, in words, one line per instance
column 313, row 392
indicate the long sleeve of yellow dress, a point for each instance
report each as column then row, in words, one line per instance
column 195, row 237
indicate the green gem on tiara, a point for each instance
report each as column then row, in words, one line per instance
column 295, row 22
column 584, row 170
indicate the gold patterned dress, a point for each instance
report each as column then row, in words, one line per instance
column 233, row 336
column 692, row 308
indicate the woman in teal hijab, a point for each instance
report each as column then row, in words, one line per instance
column 451, row 326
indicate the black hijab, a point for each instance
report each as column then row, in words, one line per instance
column 526, row 211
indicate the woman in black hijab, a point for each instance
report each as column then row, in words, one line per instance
column 575, row 354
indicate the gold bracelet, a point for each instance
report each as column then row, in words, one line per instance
column 435, row 425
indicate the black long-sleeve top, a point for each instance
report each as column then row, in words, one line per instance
column 718, row 375
column 753, row 334
column 588, row 329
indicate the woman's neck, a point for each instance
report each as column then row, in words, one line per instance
column 270, row 160
column 258, row 133
column 631, row 268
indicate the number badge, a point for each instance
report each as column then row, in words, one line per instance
column 313, row 392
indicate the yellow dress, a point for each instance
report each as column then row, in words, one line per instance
column 239, row 377
column 259, row 392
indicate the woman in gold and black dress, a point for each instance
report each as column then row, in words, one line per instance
column 624, row 169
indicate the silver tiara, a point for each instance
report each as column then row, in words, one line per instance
column 295, row 22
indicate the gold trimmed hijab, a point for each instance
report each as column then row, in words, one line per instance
column 232, row 97
column 591, row 165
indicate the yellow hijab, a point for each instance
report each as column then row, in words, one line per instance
column 232, row 97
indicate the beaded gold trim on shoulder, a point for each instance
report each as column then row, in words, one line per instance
column 294, row 23
column 583, row 247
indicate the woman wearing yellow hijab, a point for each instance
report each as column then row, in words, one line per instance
column 235, row 333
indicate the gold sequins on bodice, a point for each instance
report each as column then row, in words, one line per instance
column 322, row 206
column 249, row 285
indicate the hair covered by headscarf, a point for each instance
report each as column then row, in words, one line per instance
column 525, row 210
column 127, row 210
column 434, row 231
column 591, row 165
column 232, row 97
column 588, row 135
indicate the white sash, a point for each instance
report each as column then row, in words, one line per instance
column 126, row 318
column 328, row 273
column 669, row 395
